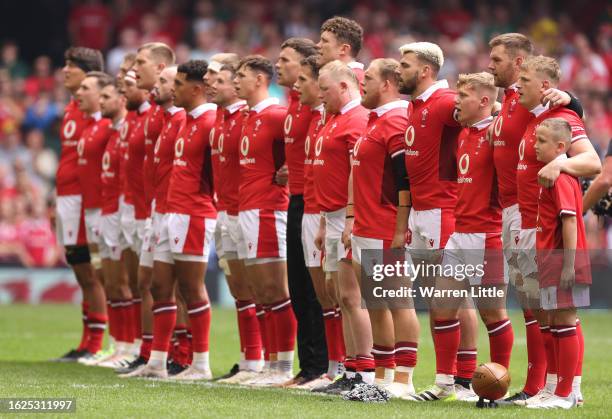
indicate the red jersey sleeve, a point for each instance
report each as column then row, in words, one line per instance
column 563, row 193
column 446, row 109
column 395, row 140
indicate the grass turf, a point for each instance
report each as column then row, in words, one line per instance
column 29, row 335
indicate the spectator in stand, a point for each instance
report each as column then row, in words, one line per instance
column 173, row 23
column 11, row 113
column 42, row 113
column 152, row 31
column 90, row 25
column 583, row 68
column 37, row 236
column 10, row 60
column 450, row 18
column 129, row 41
column 42, row 80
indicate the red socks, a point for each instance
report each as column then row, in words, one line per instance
column 384, row 356
column 549, row 346
column 248, row 327
column 85, row 333
column 199, row 318
column 406, row 354
column 137, row 316
column 536, row 355
column 97, row 324
column 333, row 335
column 501, row 339
column 262, row 315
column 580, row 348
column 364, row 363
column 567, row 357
column 447, row 336
column 146, row 346
column 181, row 356
column 285, row 325
column 466, row 363
column 164, row 319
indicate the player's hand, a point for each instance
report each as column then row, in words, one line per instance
column 282, row 175
column 346, row 234
column 549, row 174
column 399, row 240
column 568, row 279
column 319, row 240
column 555, row 98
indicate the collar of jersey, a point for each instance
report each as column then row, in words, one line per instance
column 264, row 104
column 513, row 86
column 117, row 125
column 144, row 106
column 173, row 109
column 235, row 106
column 319, row 108
column 381, row 110
column 483, row 123
column 96, row 116
column 352, row 104
column 355, row 64
column 200, row 109
column 440, row 84
column 539, row 110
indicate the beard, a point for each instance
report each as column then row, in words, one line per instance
column 132, row 105
column 407, row 87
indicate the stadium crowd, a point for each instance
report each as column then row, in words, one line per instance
column 32, row 96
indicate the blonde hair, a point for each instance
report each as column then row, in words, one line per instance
column 339, row 71
column 513, row 43
column 480, row 81
column 561, row 129
column 387, row 69
column 546, row 66
column 160, row 52
column 425, row 51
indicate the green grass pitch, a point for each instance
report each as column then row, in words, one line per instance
column 29, row 335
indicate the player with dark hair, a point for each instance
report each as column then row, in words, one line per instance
column 341, row 39
column 185, row 232
column 310, row 339
column 69, row 214
column 263, row 216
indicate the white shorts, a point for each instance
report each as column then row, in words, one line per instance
column 511, row 229
column 553, row 298
column 148, row 241
column 225, row 244
column 429, row 230
column 112, row 242
column 265, row 234
column 334, row 248
column 184, row 238
column 68, row 220
column 476, row 257
column 310, row 227
column 363, row 243
column 526, row 257
column 92, row 225
column 128, row 220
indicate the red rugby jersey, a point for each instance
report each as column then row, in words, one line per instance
column 124, row 135
column 152, row 128
column 562, row 199
column 134, row 170
column 73, row 124
column 509, row 127
column 90, row 150
column 215, row 132
column 528, row 166
column 374, row 189
column 262, row 153
column 296, row 127
column 333, row 148
column 316, row 123
column 478, row 208
column 163, row 153
column 191, row 184
column 228, row 144
column 431, row 148
column 111, row 161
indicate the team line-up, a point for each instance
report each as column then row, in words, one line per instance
column 162, row 161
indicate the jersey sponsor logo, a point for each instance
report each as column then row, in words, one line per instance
column 179, row 148
column 211, row 137
column 288, row 124
column 318, row 147
column 307, row 145
column 124, row 130
column 157, row 145
column 464, row 166
column 81, row 147
column 498, row 125
column 69, row 129
column 220, row 143
column 521, row 151
column 106, row 161
column 244, row 149
column 356, row 162
column 146, row 128
column 409, row 136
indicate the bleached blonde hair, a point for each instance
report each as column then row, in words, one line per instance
column 483, row 82
column 546, row 66
column 426, row 51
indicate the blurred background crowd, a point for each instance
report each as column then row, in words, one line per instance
column 32, row 98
